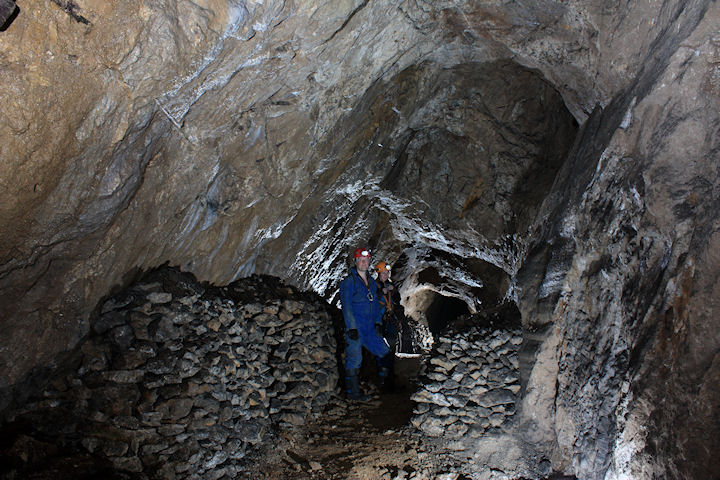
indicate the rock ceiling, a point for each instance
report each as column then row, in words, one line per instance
column 562, row 154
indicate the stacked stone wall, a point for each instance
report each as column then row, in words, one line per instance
column 187, row 386
column 470, row 384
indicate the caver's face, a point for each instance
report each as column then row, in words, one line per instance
column 384, row 275
column 362, row 263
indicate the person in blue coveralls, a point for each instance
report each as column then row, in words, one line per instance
column 363, row 320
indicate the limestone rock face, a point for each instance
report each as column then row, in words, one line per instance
column 236, row 137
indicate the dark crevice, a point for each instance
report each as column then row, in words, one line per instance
column 443, row 311
column 8, row 13
column 69, row 7
column 347, row 20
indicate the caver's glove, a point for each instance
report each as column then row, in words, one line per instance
column 353, row 334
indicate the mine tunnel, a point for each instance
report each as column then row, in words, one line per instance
column 184, row 185
column 443, row 310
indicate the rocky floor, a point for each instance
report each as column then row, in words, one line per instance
column 352, row 440
column 374, row 440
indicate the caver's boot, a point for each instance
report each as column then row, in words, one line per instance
column 386, row 380
column 385, row 373
column 353, row 387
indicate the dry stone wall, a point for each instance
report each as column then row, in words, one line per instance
column 471, row 384
column 180, row 383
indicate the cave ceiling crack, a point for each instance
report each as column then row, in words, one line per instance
column 41, row 275
column 347, row 20
column 39, row 251
column 281, row 19
column 398, row 56
column 411, row 20
column 71, row 8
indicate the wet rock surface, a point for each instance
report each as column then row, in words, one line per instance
column 182, row 382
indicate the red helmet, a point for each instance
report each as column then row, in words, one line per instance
column 361, row 252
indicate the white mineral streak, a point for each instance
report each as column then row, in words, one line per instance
column 554, row 279
column 248, row 265
column 215, row 69
column 628, row 115
column 321, row 258
column 220, row 242
column 630, row 443
column 194, row 212
column 512, row 292
column 408, row 355
column 332, row 268
column 274, row 231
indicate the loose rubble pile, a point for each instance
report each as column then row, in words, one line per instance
column 183, row 381
column 471, row 384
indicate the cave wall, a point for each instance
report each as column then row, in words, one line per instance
column 219, row 136
column 625, row 275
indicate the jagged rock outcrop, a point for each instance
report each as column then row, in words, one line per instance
column 626, row 266
column 236, row 137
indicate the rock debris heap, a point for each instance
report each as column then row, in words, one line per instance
column 183, row 381
column 471, row 384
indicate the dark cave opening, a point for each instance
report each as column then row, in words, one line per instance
column 442, row 311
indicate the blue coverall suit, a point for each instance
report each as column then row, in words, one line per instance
column 361, row 314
